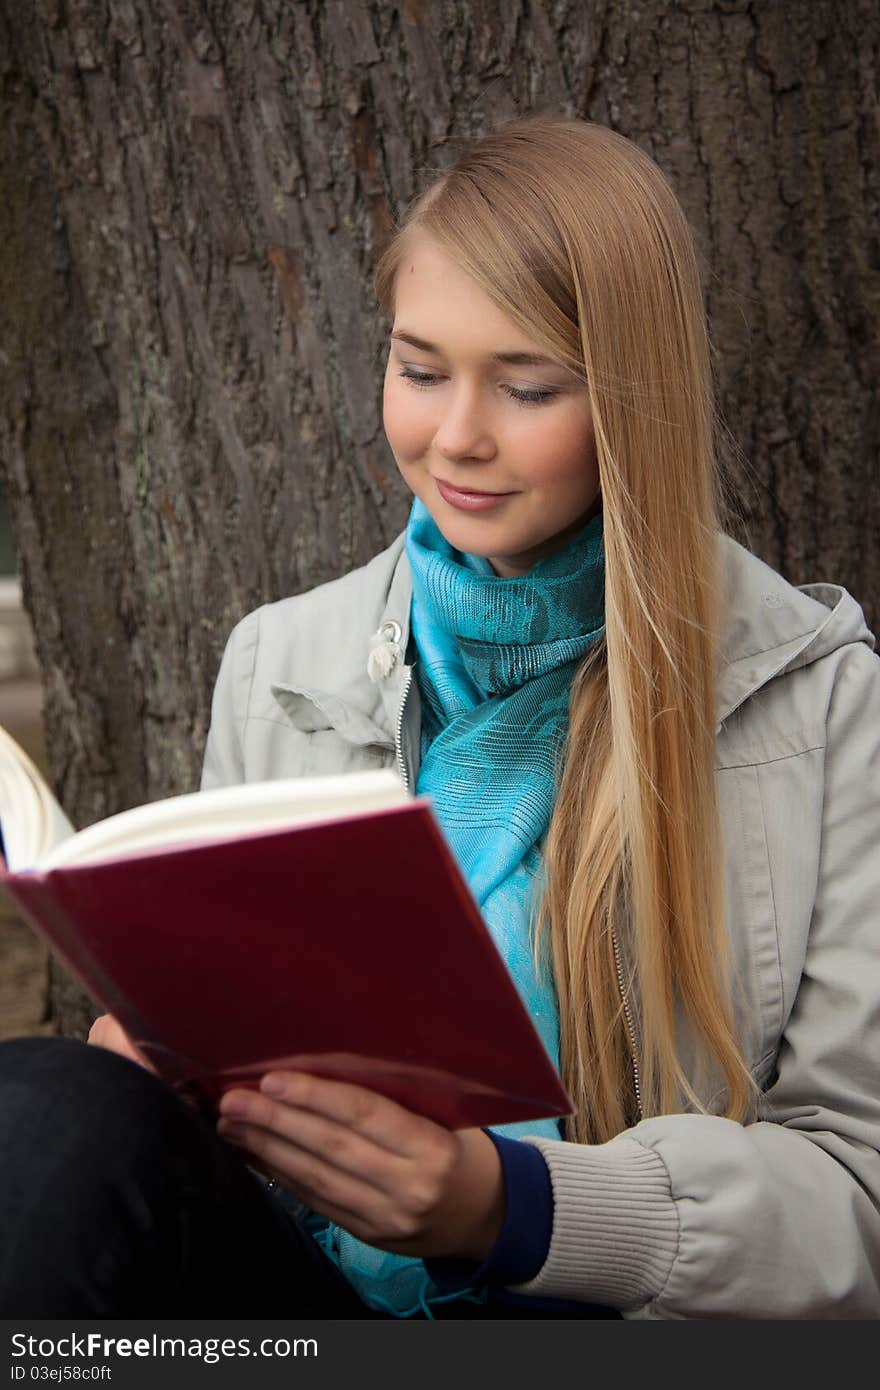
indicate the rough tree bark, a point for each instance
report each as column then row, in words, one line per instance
column 192, row 195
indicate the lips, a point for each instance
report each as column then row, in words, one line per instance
column 468, row 491
column 469, row 499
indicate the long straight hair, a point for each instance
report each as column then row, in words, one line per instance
column 575, row 234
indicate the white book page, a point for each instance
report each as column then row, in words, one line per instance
column 31, row 819
column 229, row 812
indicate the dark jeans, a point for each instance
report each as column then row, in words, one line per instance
column 119, row 1200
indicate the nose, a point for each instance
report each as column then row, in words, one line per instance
column 462, row 431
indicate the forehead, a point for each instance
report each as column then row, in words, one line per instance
column 435, row 300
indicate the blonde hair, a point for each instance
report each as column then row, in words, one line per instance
column 575, row 234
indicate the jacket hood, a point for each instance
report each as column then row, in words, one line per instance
column 773, row 626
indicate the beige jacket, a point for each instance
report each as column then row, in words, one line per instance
column 686, row 1215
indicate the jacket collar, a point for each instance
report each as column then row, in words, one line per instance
column 770, row 626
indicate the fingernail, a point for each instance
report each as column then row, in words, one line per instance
column 273, row 1086
column 229, row 1129
column 236, row 1107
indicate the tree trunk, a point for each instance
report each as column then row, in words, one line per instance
column 192, row 195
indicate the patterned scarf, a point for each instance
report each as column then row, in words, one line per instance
column 496, row 658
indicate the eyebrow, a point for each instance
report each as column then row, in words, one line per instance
column 510, row 359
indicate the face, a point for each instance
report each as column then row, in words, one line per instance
column 494, row 437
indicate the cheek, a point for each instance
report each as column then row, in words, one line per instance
column 407, row 420
column 561, row 450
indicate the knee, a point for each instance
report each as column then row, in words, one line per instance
column 60, row 1091
column 60, row 1067
column 88, row 1185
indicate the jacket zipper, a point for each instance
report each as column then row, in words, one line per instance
column 629, row 1022
column 398, row 737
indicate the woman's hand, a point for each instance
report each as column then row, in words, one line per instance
column 107, row 1032
column 391, row 1178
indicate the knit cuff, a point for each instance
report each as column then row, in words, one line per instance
column 615, row 1223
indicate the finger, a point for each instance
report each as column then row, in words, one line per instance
column 99, row 1030
column 374, row 1116
column 334, row 1143
column 340, row 1196
column 108, row 1033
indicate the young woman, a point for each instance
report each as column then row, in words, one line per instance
column 659, row 766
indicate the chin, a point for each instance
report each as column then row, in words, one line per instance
column 469, row 535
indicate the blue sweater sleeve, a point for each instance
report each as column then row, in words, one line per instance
column 524, row 1239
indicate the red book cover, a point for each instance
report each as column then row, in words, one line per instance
column 350, row 949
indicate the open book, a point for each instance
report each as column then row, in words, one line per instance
column 320, row 924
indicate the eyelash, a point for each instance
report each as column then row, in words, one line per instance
column 537, row 396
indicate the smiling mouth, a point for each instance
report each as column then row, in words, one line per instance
column 469, row 491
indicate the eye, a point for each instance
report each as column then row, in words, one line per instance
column 418, row 378
column 523, row 395
column 535, row 395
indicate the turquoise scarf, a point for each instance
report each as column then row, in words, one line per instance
column 496, row 659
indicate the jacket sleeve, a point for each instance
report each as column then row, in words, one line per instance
column 224, row 761
column 693, row 1215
